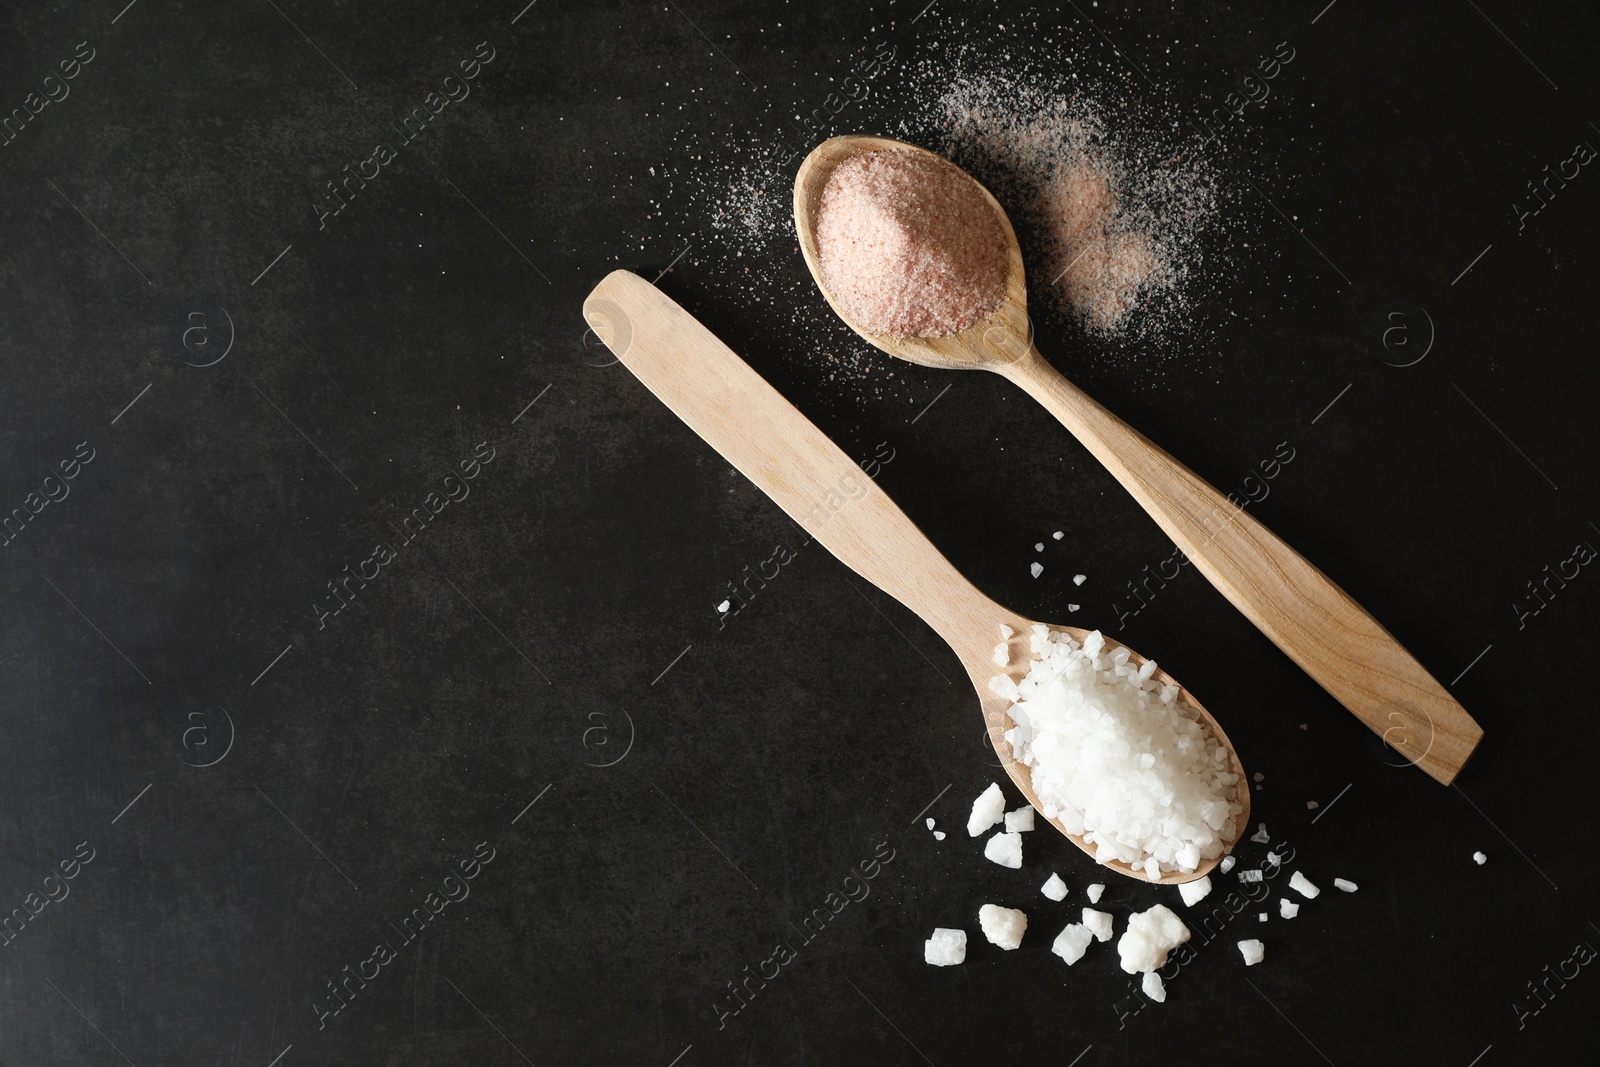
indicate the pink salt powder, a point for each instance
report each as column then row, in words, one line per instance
column 1106, row 265
column 909, row 246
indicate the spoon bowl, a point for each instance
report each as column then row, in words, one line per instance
column 1000, row 338
column 754, row 428
column 1317, row 624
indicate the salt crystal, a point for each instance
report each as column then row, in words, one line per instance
column 1194, row 892
column 1479, row 858
column 1072, row 607
column 722, row 608
column 988, row 809
column 1150, row 935
column 1004, row 849
column 909, row 245
column 1099, row 749
column 1287, row 908
column 1302, row 885
column 1312, row 805
column 938, row 835
column 1098, row 923
column 1079, row 579
column 1038, row 546
column 945, row 948
column 1261, row 916
column 1054, row 887
column 1035, row 569
column 1274, row 859
column 1251, row 875
column 1253, row 952
column 1226, row 865
column 1002, row 654
column 1002, row 926
column 1058, row 535
column 1006, row 631
column 929, row 823
column 1345, row 884
column 1152, row 987
column 1071, row 943
column 1020, row 819
column 1094, row 891
column 1258, row 776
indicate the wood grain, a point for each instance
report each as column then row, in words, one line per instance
column 735, row 411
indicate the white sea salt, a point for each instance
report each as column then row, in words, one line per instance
column 1194, row 892
column 1004, row 849
column 1479, row 858
column 1094, row 891
column 1079, row 579
column 1054, row 887
column 1287, row 908
column 1134, row 773
column 928, row 822
column 1150, row 935
column 1098, row 923
column 1036, row 569
column 1038, row 546
column 1002, row 926
column 1072, row 607
column 988, row 809
column 938, row 835
column 1345, row 884
column 1152, row 987
column 1253, row 952
column 1058, row 535
column 1226, row 865
column 1020, row 819
column 1251, row 875
column 1002, row 655
column 1071, row 943
column 945, row 948
column 1302, row 885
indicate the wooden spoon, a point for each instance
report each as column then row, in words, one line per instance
column 1304, row 613
column 781, row 451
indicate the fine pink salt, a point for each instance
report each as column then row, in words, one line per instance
column 909, row 245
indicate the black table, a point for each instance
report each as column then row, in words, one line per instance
column 367, row 699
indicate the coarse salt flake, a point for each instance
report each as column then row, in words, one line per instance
column 1002, row 926
column 945, row 948
column 988, row 809
column 1253, row 952
column 1302, row 885
column 1004, row 849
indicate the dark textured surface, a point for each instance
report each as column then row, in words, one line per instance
column 300, row 783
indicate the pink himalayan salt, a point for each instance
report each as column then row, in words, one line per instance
column 909, row 246
column 1106, row 267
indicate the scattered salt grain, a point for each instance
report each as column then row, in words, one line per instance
column 1002, row 654
column 1098, row 923
column 1020, row 820
column 1274, row 859
column 1072, row 607
column 1258, row 776
column 1302, row 885
column 1058, row 535
column 1251, row 875
column 909, row 246
column 1253, row 952
column 1226, row 865
column 1054, row 888
column 938, row 835
column 1038, row 546
column 945, row 948
column 1153, row 988
column 1194, row 892
column 722, row 608
column 1094, row 891
column 1261, row 836
column 1261, row 916
column 1141, row 779
column 1287, row 908
column 1312, row 805
column 1079, row 579
column 1004, row 849
column 988, row 809
column 1150, row 935
column 929, row 823
column 1002, row 926
column 1345, row 884
column 1071, row 943
column 1035, row 569
column 1479, row 858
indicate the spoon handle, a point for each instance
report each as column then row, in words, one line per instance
column 734, row 409
column 1297, row 606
